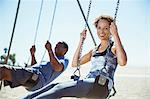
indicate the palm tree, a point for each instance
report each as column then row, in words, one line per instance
column 2, row 61
column 5, row 50
column 12, row 57
column 3, row 56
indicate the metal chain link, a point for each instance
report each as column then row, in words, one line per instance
column 115, row 16
column 117, row 8
column 89, row 7
column 80, row 53
column 88, row 12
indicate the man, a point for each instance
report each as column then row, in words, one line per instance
column 38, row 75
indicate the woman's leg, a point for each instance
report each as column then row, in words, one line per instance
column 99, row 91
column 68, row 89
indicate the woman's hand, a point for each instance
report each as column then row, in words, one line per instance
column 113, row 29
column 83, row 35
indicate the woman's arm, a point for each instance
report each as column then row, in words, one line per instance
column 76, row 56
column 120, row 52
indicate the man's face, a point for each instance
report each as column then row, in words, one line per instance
column 59, row 49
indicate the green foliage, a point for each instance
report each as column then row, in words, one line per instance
column 11, row 59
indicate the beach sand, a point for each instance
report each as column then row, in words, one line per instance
column 134, row 84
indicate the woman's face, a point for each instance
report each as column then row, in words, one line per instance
column 103, row 29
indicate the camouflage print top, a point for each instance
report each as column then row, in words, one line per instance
column 103, row 63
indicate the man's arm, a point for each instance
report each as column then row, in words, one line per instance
column 53, row 59
column 32, row 51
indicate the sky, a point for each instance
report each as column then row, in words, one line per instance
column 133, row 21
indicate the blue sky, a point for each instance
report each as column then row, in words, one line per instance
column 133, row 22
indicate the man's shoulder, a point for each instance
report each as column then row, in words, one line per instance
column 66, row 58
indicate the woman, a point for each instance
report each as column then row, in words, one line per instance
column 104, row 60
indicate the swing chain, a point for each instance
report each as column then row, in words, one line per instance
column 115, row 16
column 87, row 17
column 89, row 7
column 75, row 77
column 38, row 22
column 117, row 8
column 51, row 27
column 36, row 30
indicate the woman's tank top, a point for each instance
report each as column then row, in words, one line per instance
column 105, row 62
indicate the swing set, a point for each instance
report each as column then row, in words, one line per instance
column 74, row 76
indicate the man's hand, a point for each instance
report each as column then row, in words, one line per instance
column 32, row 50
column 48, row 46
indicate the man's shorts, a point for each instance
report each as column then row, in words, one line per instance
column 19, row 77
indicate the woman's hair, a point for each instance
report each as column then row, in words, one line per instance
column 103, row 17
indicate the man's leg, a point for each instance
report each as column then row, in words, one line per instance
column 5, row 74
column 1, row 76
column 14, row 76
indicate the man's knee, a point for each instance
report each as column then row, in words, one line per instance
column 5, row 73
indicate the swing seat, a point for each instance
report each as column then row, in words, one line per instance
column 99, row 91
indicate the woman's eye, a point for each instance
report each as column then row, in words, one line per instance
column 99, row 27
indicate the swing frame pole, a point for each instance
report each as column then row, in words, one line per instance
column 10, row 44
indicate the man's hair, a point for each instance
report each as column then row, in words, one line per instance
column 65, row 45
column 103, row 17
